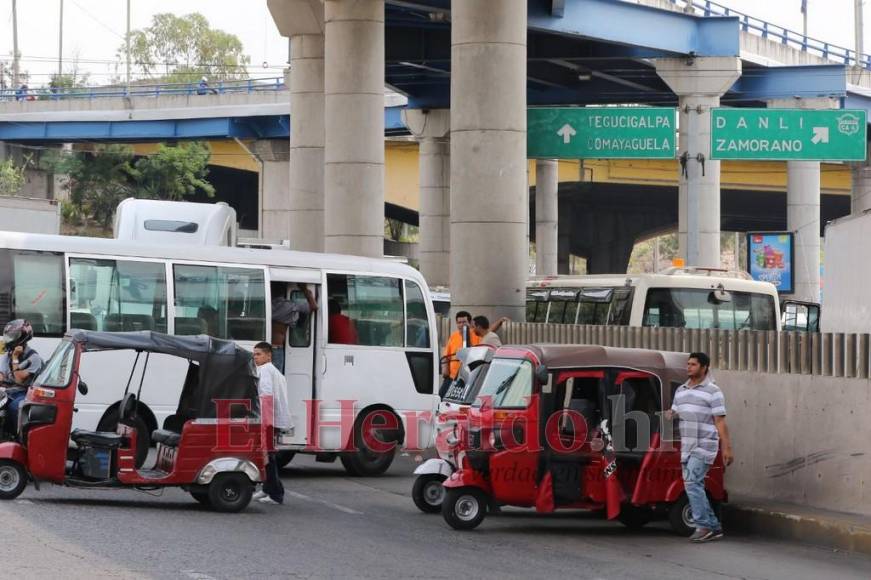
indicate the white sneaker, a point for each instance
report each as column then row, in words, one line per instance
column 268, row 501
column 258, row 495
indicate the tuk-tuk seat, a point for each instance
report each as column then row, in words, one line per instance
column 97, row 438
column 168, row 438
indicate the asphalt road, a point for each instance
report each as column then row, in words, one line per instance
column 332, row 525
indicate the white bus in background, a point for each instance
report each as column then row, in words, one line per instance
column 676, row 297
column 60, row 282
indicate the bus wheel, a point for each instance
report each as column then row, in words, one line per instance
column 283, row 458
column 13, row 479
column 364, row 461
column 109, row 423
column 464, row 508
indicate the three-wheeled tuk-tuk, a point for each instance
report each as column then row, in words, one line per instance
column 211, row 446
column 579, row 427
column 428, row 491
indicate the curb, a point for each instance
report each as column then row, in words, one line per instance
column 839, row 531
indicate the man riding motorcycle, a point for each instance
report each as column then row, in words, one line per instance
column 19, row 365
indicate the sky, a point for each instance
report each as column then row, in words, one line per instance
column 94, row 29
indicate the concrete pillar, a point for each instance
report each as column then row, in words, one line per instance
column 354, row 152
column 274, row 199
column 860, row 201
column 546, row 216
column 699, row 83
column 432, row 130
column 803, row 218
column 301, row 217
column 489, row 213
column 803, row 208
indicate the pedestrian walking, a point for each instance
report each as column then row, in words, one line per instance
column 272, row 388
column 701, row 409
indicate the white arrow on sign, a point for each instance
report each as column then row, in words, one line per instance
column 567, row 132
column 821, row 135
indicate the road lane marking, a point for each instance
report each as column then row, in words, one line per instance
column 335, row 506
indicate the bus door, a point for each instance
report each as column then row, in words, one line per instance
column 299, row 351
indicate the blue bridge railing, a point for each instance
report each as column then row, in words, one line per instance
column 776, row 33
column 143, row 90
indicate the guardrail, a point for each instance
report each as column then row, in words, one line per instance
column 155, row 90
column 777, row 33
column 801, row 353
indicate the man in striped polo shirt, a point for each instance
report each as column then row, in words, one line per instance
column 700, row 406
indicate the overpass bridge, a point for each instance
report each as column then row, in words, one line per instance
column 485, row 68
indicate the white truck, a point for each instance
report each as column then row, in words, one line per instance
column 847, row 278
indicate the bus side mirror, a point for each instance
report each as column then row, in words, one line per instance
column 721, row 295
column 83, row 387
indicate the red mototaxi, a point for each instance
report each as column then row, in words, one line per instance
column 216, row 458
column 575, row 427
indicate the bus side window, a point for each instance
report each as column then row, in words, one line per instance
column 117, row 295
column 300, row 334
column 32, row 286
column 220, row 301
column 416, row 322
column 365, row 310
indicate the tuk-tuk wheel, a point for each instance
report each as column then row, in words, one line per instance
column 13, row 479
column 230, row 492
column 464, row 508
column 680, row 517
column 428, row 492
column 634, row 517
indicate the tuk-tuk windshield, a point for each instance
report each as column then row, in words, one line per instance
column 59, row 369
column 508, row 384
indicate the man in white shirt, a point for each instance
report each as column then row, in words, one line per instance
column 272, row 388
column 481, row 326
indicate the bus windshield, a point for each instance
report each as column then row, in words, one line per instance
column 696, row 308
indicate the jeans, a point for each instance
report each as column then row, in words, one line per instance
column 278, row 358
column 15, row 400
column 694, row 471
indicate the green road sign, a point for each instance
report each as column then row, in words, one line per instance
column 601, row 133
column 788, row 134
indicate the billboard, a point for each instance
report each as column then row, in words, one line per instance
column 770, row 259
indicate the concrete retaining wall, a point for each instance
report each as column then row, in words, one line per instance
column 801, row 439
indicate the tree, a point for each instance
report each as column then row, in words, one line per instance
column 175, row 172
column 11, row 177
column 184, row 48
column 101, row 179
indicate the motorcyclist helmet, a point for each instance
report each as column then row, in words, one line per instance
column 17, row 333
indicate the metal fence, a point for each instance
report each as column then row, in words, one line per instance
column 826, row 354
column 155, row 90
column 776, row 33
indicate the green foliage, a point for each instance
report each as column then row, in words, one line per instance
column 99, row 180
column 184, row 48
column 175, row 172
column 11, row 177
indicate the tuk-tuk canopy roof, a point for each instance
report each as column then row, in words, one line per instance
column 219, row 370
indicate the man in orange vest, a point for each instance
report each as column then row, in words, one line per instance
column 459, row 339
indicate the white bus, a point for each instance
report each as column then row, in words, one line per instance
column 60, row 282
column 676, row 297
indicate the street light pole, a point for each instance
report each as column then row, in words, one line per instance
column 14, row 45
column 60, row 42
column 128, row 45
column 860, row 30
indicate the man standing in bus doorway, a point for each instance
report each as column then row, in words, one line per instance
column 701, row 408
column 287, row 314
column 461, row 338
column 272, row 388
